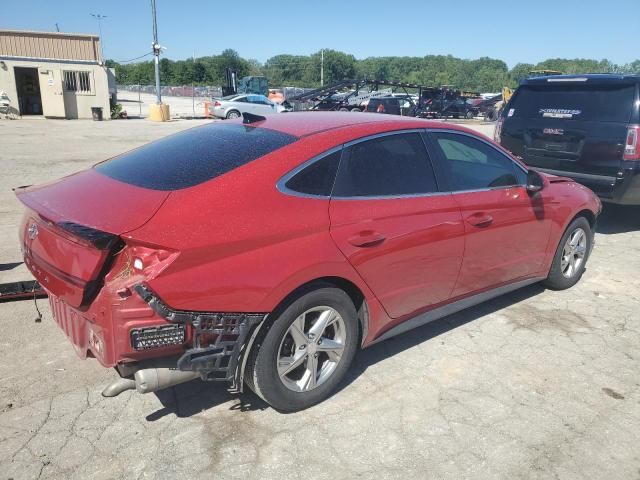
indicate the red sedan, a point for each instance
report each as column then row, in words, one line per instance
column 267, row 251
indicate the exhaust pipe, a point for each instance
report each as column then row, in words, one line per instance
column 149, row 380
column 153, row 379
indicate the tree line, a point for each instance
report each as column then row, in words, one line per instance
column 483, row 74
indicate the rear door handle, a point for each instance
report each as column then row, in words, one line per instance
column 480, row 220
column 367, row 239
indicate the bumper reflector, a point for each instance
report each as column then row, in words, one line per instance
column 155, row 337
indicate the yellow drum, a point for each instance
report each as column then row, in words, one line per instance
column 159, row 113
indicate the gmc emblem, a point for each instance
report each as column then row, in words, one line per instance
column 553, row 131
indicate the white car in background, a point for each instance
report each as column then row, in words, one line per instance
column 233, row 106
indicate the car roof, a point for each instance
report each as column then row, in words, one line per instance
column 302, row 124
column 588, row 78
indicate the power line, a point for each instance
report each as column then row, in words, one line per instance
column 134, row 59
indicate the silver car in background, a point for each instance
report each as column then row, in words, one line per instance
column 234, row 106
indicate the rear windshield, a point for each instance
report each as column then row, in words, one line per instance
column 193, row 156
column 604, row 103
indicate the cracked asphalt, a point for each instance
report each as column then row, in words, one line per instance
column 535, row 384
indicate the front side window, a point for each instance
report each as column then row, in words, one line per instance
column 386, row 166
column 471, row 164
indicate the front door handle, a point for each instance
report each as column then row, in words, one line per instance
column 480, row 220
column 367, row 239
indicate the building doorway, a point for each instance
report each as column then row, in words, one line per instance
column 28, row 88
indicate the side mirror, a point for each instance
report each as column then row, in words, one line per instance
column 534, row 182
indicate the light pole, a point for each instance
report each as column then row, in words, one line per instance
column 156, row 51
column 322, row 67
column 99, row 17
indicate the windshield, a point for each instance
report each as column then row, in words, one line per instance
column 605, row 103
column 193, row 156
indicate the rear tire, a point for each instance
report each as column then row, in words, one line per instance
column 233, row 114
column 287, row 350
column 571, row 256
column 470, row 115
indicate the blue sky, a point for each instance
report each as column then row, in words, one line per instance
column 514, row 30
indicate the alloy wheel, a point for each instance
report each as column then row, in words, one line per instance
column 311, row 349
column 573, row 253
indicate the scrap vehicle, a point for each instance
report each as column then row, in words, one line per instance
column 490, row 107
column 444, row 102
column 353, row 95
column 280, row 280
column 234, row 106
column 392, row 106
column 585, row 127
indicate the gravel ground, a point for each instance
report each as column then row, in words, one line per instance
column 535, row 384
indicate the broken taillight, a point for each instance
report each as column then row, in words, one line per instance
column 135, row 260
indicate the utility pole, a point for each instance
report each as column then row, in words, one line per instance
column 156, row 51
column 193, row 86
column 322, row 67
column 98, row 17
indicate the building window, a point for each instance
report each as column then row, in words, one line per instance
column 78, row 82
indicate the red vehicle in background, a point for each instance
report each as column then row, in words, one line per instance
column 269, row 250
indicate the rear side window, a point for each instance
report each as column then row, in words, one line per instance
column 194, row 156
column 604, row 103
column 317, row 178
column 386, row 166
column 471, row 164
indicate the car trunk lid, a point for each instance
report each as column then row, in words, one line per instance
column 73, row 226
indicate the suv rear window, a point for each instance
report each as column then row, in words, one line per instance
column 193, row 156
column 604, row 103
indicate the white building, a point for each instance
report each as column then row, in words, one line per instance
column 57, row 75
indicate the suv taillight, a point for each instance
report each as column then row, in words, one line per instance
column 497, row 134
column 631, row 147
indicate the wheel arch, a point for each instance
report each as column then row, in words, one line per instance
column 588, row 214
column 351, row 289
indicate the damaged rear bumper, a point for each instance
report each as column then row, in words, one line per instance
column 219, row 339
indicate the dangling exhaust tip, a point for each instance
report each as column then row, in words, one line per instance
column 118, row 386
column 149, row 380
column 153, row 379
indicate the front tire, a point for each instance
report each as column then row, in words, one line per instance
column 301, row 356
column 570, row 260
